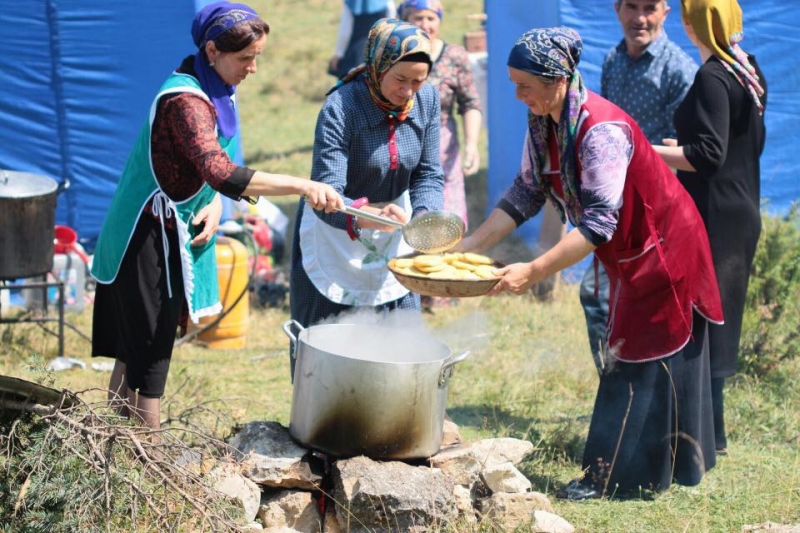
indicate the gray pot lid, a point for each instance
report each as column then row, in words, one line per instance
column 25, row 185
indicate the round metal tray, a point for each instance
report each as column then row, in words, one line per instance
column 452, row 288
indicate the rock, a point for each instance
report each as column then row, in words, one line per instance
column 459, row 463
column 271, row 458
column 505, row 478
column 331, row 522
column 385, row 497
column 491, row 452
column 450, row 434
column 544, row 522
column 291, row 509
column 465, row 504
column 228, row 480
column 509, row 511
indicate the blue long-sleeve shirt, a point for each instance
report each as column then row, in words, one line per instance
column 351, row 150
column 650, row 87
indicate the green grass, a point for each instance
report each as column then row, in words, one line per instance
column 531, row 377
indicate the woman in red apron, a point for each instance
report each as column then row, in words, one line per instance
column 652, row 422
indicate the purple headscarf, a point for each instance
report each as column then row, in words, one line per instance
column 431, row 5
column 208, row 24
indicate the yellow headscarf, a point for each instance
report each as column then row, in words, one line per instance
column 717, row 24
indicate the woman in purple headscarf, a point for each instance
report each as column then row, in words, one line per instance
column 155, row 256
column 652, row 421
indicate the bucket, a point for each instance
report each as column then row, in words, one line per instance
column 232, row 274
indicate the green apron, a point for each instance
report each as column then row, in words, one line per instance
column 136, row 188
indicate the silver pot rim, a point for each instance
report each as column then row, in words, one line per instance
column 396, row 347
column 19, row 185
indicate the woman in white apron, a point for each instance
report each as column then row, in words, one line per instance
column 377, row 143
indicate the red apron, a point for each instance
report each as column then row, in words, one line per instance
column 658, row 260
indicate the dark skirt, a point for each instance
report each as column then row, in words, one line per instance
column 135, row 321
column 653, row 422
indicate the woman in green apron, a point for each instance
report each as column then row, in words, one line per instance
column 156, row 252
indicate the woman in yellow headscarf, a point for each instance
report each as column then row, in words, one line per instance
column 721, row 134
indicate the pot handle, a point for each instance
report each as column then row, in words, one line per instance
column 447, row 367
column 287, row 328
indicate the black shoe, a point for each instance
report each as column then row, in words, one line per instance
column 577, row 491
column 722, row 451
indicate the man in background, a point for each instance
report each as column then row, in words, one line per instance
column 647, row 75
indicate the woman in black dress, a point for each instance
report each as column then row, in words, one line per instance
column 721, row 133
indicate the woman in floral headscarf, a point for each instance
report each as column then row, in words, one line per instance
column 652, row 421
column 721, row 135
column 155, row 254
column 377, row 143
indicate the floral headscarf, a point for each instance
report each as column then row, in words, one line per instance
column 431, row 5
column 209, row 23
column 389, row 41
column 718, row 25
column 555, row 53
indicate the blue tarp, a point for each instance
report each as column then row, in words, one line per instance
column 78, row 77
column 771, row 33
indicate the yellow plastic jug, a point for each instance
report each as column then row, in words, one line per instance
column 232, row 273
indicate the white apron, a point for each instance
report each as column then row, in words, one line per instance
column 351, row 272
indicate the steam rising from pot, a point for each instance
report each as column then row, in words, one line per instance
column 402, row 336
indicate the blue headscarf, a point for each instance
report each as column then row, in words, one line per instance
column 362, row 7
column 555, row 53
column 432, row 5
column 547, row 52
column 209, row 24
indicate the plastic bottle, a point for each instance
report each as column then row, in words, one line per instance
column 72, row 271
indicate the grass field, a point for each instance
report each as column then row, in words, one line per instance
column 530, row 376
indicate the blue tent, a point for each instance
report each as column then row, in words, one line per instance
column 78, row 77
column 771, row 33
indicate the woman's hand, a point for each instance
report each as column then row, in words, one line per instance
column 471, row 161
column 673, row 155
column 322, row 196
column 517, row 278
column 390, row 211
column 207, row 221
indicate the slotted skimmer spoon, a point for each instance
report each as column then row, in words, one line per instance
column 433, row 232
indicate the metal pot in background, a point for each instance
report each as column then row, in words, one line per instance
column 369, row 390
column 27, row 224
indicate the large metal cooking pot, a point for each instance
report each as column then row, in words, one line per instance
column 27, row 224
column 369, row 390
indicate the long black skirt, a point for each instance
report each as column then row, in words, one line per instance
column 653, row 422
column 135, row 321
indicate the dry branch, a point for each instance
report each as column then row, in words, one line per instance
column 132, row 471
